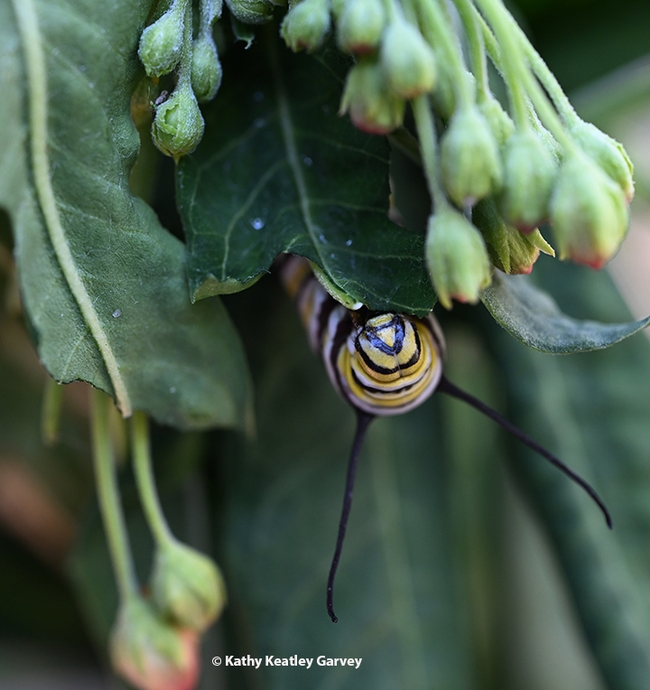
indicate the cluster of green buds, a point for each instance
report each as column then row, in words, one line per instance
column 171, row 44
column 494, row 175
column 155, row 639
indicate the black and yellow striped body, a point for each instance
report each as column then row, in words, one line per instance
column 382, row 364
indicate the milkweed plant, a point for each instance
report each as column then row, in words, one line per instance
column 420, row 155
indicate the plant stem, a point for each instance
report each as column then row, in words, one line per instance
column 51, row 412
column 209, row 10
column 467, row 14
column 539, row 99
column 141, row 454
column 546, row 77
column 428, row 148
column 185, row 64
column 109, row 501
column 512, row 64
column 437, row 30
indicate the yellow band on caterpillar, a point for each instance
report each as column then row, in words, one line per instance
column 383, row 364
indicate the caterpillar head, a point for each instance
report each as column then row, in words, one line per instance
column 391, row 363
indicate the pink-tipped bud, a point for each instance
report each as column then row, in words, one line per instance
column 372, row 107
column 457, row 258
column 589, row 213
column 150, row 653
column 360, row 26
column 306, row 25
column 469, row 156
column 607, row 152
column 407, row 60
column 530, row 172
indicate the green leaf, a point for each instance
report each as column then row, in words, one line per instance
column 102, row 282
column 398, row 593
column 593, row 412
column 532, row 317
column 278, row 171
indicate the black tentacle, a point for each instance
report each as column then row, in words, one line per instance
column 445, row 386
column 363, row 422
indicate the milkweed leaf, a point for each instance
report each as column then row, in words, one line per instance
column 102, row 282
column 278, row 170
column 534, row 318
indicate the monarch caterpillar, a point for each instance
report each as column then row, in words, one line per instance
column 382, row 364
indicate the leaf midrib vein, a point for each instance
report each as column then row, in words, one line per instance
column 27, row 20
column 286, row 125
column 255, row 192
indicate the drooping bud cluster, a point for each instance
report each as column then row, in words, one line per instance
column 154, row 643
column 508, row 168
column 495, row 174
column 169, row 44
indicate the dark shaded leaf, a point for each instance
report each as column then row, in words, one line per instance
column 279, row 171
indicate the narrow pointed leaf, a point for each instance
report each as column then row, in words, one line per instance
column 533, row 317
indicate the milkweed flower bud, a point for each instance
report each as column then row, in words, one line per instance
column 161, row 43
column 457, row 258
column 371, row 106
column 510, row 250
column 469, row 157
column 530, row 172
column 151, row 654
column 444, row 96
column 500, row 122
column 360, row 26
column 178, row 125
column 251, row 11
column 588, row 212
column 407, row 60
column 607, row 152
column 306, row 25
column 206, row 69
column 187, row 586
